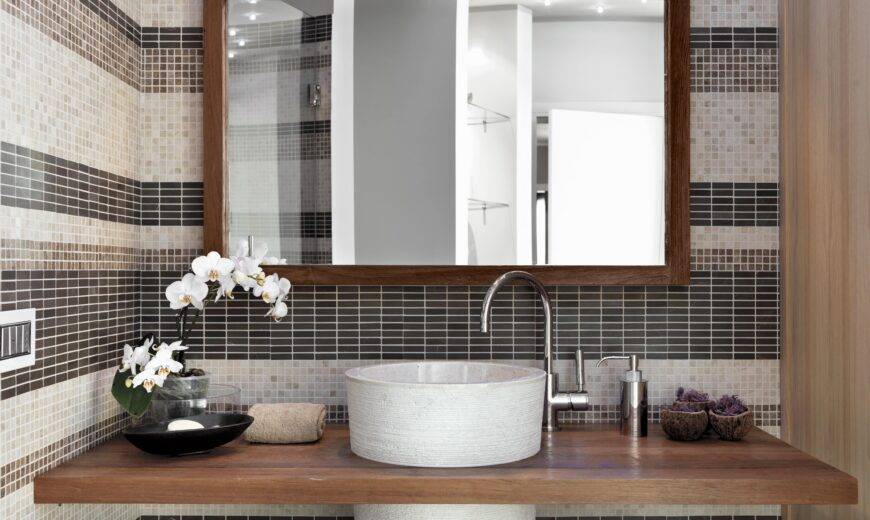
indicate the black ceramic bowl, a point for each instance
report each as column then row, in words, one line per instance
column 220, row 428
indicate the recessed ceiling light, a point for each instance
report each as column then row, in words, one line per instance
column 233, row 32
column 599, row 9
column 548, row 3
column 252, row 16
column 231, row 54
column 242, row 43
column 252, row 1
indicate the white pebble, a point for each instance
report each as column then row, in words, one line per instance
column 183, row 424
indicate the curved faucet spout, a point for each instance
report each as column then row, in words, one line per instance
column 543, row 296
column 554, row 400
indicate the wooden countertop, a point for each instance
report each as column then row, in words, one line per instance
column 579, row 465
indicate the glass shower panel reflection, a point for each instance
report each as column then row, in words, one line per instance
column 278, row 130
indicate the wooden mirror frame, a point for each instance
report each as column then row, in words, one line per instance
column 674, row 272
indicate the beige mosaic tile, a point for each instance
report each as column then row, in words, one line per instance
column 59, row 103
column 734, row 13
column 44, row 416
column 734, row 237
column 171, row 237
column 41, row 226
column 171, row 13
column 170, row 137
column 669, row 511
column 19, row 506
column 735, row 137
column 756, row 381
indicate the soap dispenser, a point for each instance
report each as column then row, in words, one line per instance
column 633, row 402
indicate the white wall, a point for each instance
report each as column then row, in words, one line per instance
column 606, row 197
column 405, row 130
column 342, row 137
column 596, row 65
column 499, row 77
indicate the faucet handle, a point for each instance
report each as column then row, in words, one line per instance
column 578, row 367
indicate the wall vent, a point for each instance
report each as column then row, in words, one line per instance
column 17, row 339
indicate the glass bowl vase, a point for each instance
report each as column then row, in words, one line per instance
column 184, row 401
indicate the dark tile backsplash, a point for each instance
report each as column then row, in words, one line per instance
column 734, row 204
column 172, row 203
column 33, row 180
column 171, row 38
column 721, row 315
column 83, row 319
column 734, row 37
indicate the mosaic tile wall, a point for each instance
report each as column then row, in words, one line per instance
column 278, row 142
column 100, row 205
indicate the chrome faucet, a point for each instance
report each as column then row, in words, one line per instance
column 554, row 400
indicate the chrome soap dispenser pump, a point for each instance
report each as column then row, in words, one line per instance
column 633, row 403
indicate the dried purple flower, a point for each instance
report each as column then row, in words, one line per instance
column 729, row 405
column 683, row 407
column 691, row 395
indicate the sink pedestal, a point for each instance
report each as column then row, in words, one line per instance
column 443, row 512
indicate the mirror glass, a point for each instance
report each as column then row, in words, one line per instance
column 420, row 132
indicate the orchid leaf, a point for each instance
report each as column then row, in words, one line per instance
column 134, row 400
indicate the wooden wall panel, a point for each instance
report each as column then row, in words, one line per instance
column 825, row 242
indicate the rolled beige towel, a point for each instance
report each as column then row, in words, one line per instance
column 286, row 423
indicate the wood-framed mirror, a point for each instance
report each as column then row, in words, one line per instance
column 410, row 142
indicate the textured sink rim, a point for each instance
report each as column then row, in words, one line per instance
column 523, row 374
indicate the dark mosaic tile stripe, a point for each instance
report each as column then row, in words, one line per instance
column 22, row 471
column 305, row 141
column 734, row 204
column 30, row 179
column 172, row 204
column 115, row 17
column 82, row 320
column 721, row 315
column 270, row 63
column 735, row 70
column 295, row 128
column 733, row 37
column 291, row 225
column 317, row 29
column 171, row 37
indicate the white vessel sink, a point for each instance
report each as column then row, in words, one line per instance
column 445, row 413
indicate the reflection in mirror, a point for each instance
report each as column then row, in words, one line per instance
column 412, row 132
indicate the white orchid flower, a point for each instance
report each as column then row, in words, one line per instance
column 278, row 311
column 189, row 290
column 285, row 286
column 248, row 273
column 211, row 267
column 171, row 347
column 126, row 359
column 148, row 379
column 134, row 357
column 270, row 290
column 162, row 364
column 227, row 284
column 274, row 260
